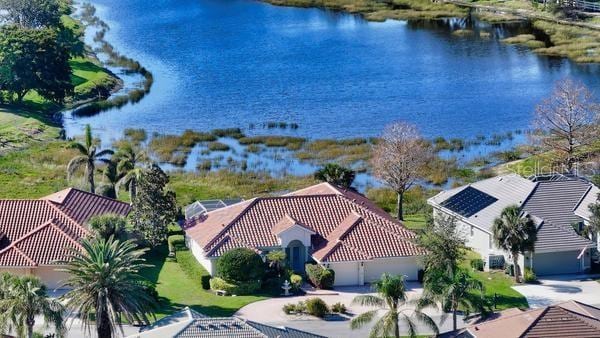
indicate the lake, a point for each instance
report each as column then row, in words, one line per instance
column 238, row 63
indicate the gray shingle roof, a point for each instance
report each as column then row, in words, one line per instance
column 551, row 238
column 191, row 324
column 507, row 189
column 555, row 201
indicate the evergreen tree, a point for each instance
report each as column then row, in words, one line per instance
column 154, row 207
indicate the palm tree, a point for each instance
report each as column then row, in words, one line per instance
column 88, row 156
column 128, row 168
column 24, row 298
column 336, row 174
column 110, row 178
column 461, row 290
column 106, row 285
column 515, row 232
column 392, row 295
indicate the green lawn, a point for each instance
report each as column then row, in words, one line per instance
column 415, row 222
column 177, row 290
column 498, row 284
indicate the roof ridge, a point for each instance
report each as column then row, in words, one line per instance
column 86, row 231
column 576, row 316
column 226, row 227
column 586, row 314
column 65, row 234
column 25, row 256
column 583, row 197
column 27, row 235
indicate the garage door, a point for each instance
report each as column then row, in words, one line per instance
column 406, row 266
column 346, row 274
column 556, row 263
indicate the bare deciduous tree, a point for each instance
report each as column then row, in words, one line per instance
column 567, row 121
column 399, row 157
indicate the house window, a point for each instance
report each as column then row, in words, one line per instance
column 472, row 231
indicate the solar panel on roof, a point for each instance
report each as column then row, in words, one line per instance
column 469, row 201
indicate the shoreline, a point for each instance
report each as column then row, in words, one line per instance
column 569, row 38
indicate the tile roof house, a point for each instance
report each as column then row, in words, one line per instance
column 557, row 203
column 568, row 319
column 335, row 227
column 191, row 324
column 34, row 234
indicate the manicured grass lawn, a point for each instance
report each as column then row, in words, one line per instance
column 177, row 290
column 499, row 285
column 415, row 222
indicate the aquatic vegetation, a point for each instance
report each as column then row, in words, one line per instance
column 217, row 146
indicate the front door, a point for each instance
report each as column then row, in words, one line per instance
column 296, row 259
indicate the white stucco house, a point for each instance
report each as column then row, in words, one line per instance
column 35, row 234
column 558, row 204
column 337, row 228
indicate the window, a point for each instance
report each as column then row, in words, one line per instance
column 472, row 231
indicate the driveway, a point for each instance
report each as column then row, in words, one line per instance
column 555, row 289
column 270, row 312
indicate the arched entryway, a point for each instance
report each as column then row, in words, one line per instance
column 296, row 255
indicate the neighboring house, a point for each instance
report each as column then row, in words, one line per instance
column 557, row 203
column 191, row 324
column 568, row 319
column 34, row 234
column 337, row 228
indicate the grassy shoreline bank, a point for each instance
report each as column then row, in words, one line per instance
column 575, row 39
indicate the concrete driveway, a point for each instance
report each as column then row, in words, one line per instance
column 270, row 312
column 555, row 289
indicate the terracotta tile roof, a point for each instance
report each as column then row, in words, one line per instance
column 39, row 232
column 568, row 319
column 347, row 225
column 287, row 222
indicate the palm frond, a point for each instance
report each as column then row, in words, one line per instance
column 368, row 300
column 362, row 319
column 75, row 164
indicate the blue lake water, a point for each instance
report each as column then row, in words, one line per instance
column 233, row 63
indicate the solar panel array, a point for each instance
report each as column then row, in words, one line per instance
column 469, row 201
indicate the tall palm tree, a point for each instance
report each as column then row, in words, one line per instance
column 460, row 290
column 515, row 232
column 129, row 160
column 106, row 284
column 24, row 298
column 392, row 296
column 88, row 156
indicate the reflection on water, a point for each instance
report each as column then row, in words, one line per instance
column 237, row 63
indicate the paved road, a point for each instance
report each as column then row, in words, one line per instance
column 551, row 290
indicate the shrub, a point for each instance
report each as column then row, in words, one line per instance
column 298, row 308
column 316, row 307
column 477, row 264
column 529, row 276
column 241, row 289
column 240, row 265
column 247, row 288
column 319, row 276
column 217, row 284
column 338, row 308
column 289, row 308
column 296, row 281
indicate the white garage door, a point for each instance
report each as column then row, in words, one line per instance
column 406, row 266
column 346, row 274
column 556, row 263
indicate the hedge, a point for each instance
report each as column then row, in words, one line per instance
column 246, row 288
